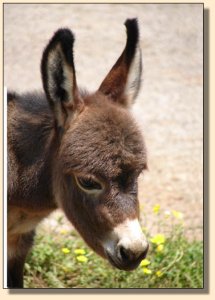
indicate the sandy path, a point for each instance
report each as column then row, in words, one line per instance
column 169, row 107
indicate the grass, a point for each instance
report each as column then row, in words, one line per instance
column 63, row 260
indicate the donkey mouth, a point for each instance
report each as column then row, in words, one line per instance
column 125, row 266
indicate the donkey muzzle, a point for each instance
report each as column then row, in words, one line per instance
column 126, row 246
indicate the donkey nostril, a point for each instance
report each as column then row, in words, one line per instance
column 125, row 254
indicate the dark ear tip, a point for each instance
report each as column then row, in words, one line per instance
column 132, row 31
column 131, row 21
column 63, row 35
column 131, row 24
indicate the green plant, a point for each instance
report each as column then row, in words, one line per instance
column 63, row 260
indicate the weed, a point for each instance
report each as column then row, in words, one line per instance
column 62, row 261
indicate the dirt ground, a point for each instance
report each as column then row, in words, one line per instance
column 169, row 108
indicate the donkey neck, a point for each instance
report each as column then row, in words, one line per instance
column 32, row 144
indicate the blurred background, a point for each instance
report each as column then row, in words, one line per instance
column 169, row 108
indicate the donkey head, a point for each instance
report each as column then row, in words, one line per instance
column 101, row 151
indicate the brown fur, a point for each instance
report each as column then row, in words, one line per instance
column 52, row 142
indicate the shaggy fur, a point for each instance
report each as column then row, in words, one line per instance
column 55, row 137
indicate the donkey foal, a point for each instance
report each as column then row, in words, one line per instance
column 78, row 151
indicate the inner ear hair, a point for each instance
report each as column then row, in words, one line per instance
column 58, row 75
column 123, row 81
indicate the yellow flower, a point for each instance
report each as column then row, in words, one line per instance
column 160, row 248
column 159, row 273
column 156, row 208
column 82, row 258
column 147, row 271
column 158, row 239
column 63, row 231
column 80, row 251
column 145, row 262
column 65, row 250
column 177, row 214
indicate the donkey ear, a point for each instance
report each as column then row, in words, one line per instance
column 123, row 81
column 58, row 76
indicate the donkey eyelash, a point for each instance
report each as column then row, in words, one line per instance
column 88, row 184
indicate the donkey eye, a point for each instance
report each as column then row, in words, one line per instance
column 88, row 184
